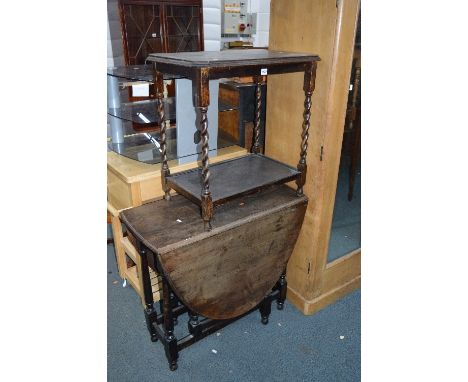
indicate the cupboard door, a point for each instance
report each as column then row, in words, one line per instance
column 142, row 31
column 183, row 28
column 160, row 27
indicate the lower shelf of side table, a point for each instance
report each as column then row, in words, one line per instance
column 234, row 177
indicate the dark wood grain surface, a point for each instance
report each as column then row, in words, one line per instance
column 233, row 177
column 232, row 58
column 224, row 272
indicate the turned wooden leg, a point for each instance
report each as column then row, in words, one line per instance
column 282, row 287
column 150, row 312
column 207, row 204
column 258, row 107
column 193, row 323
column 170, row 341
column 159, row 83
column 201, row 93
column 161, row 305
column 309, row 85
column 174, row 304
column 265, row 310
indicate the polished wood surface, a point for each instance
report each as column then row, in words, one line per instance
column 231, row 58
column 229, row 63
column 227, row 271
column 233, row 178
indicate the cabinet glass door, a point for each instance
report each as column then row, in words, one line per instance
column 183, row 28
column 142, row 31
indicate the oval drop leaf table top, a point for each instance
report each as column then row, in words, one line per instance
column 227, row 271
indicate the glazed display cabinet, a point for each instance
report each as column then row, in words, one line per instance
column 150, row 26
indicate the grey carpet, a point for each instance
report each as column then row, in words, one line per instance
column 292, row 347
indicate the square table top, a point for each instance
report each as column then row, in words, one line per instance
column 232, row 58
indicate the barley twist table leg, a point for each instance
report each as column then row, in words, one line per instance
column 159, row 82
column 309, row 85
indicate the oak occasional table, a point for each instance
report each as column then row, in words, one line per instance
column 222, row 245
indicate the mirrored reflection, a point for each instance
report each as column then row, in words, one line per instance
column 346, row 225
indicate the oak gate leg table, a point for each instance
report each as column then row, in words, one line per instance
column 231, row 261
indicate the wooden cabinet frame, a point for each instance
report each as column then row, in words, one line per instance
column 326, row 28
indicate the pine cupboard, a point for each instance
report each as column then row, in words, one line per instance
column 326, row 28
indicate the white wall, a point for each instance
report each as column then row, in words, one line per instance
column 212, row 24
column 114, row 36
column 262, row 9
column 110, row 57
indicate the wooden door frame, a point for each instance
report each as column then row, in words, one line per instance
column 313, row 283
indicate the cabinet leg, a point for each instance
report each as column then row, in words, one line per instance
column 265, row 310
column 283, row 287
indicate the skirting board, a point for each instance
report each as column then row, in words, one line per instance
column 312, row 306
column 341, row 277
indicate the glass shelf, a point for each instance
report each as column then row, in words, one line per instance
column 143, row 112
column 137, row 122
column 137, row 73
column 145, row 147
column 233, row 178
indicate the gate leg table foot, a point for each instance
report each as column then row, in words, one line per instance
column 282, row 287
column 149, row 317
column 150, row 312
column 170, row 340
column 193, row 323
column 171, row 352
column 265, row 310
